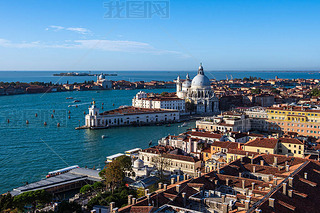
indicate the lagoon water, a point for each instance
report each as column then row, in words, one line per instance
column 47, row 76
column 29, row 152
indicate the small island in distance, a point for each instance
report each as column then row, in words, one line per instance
column 81, row 74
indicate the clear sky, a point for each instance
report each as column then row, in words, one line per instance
column 223, row 34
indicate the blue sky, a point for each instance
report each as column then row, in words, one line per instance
column 224, row 35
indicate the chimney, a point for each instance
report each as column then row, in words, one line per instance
column 252, row 184
column 271, row 202
column 284, row 188
column 184, row 196
column 247, row 154
column 290, row 181
column 261, row 162
column 112, row 206
column 172, row 181
column 216, row 182
column 254, row 169
column 160, row 185
column 148, row 197
column 199, row 174
column 130, row 199
column 185, row 177
column 115, row 210
column 243, row 184
column 178, row 178
column 252, row 160
column 227, row 181
column 306, row 175
column 239, row 174
column 247, row 204
column 290, row 192
column 275, row 161
column 287, row 168
column 146, row 191
column 165, row 186
column 223, row 198
column 275, row 179
column 134, row 201
column 178, row 188
column 270, row 186
column 258, row 210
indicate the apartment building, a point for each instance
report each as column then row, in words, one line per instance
column 300, row 119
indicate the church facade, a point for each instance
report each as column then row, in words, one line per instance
column 198, row 93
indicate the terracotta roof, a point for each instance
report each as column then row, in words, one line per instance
column 290, row 140
column 263, row 142
column 226, row 144
column 130, row 110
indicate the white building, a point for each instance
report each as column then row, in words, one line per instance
column 198, row 92
column 229, row 121
column 143, row 101
column 124, row 116
column 103, row 82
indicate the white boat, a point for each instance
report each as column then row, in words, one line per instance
column 104, row 136
column 184, row 124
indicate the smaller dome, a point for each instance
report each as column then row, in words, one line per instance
column 101, row 77
column 186, row 83
column 138, row 163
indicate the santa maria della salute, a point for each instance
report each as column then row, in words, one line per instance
column 197, row 93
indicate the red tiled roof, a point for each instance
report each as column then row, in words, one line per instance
column 134, row 110
column 263, row 142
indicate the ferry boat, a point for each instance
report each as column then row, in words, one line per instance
column 61, row 171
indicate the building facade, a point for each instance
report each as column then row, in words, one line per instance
column 143, row 101
column 300, row 119
column 125, row 116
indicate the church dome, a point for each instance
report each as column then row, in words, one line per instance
column 101, row 77
column 138, row 163
column 200, row 80
column 186, row 83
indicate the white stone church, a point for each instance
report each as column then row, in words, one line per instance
column 198, row 92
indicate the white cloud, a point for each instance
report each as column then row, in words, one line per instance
column 102, row 45
column 79, row 30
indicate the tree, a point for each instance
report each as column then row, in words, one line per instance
column 315, row 92
column 6, row 202
column 86, row 188
column 114, row 174
column 161, row 163
column 32, row 197
column 125, row 163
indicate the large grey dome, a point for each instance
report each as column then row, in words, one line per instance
column 200, row 81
